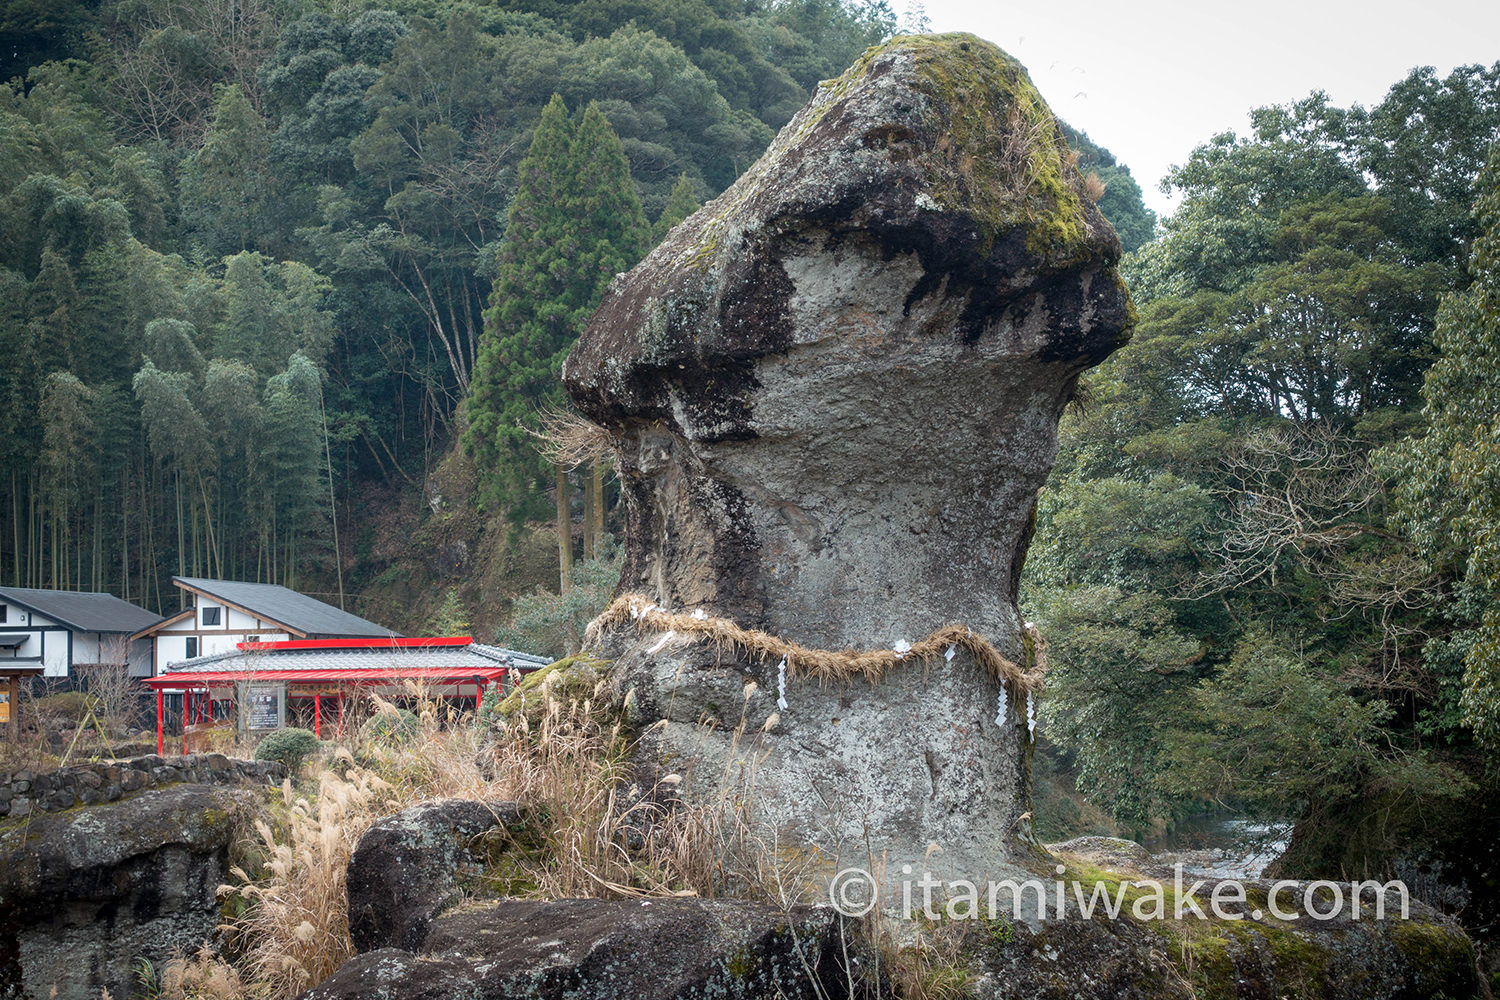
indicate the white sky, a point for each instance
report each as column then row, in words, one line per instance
column 1151, row 79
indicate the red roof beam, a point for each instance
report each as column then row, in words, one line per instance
column 394, row 642
column 447, row 675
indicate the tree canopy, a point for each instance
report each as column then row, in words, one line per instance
column 1248, row 600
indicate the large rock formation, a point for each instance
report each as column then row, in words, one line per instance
column 86, row 893
column 409, row 867
column 834, row 393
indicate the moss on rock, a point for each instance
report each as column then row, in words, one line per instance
column 572, row 675
column 1005, row 159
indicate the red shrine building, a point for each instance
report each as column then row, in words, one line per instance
column 263, row 685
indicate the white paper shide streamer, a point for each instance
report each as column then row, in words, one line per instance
column 1031, row 715
column 781, row 685
column 1002, row 705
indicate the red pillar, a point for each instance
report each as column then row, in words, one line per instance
column 318, row 716
column 187, row 707
column 160, row 718
column 341, row 714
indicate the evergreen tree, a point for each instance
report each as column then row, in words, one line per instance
column 681, row 203
column 574, row 223
column 226, row 186
column 606, row 211
column 173, row 345
column 1446, row 485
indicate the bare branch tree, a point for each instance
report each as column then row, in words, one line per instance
column 569, row 440
column 109, row 682
column 1295, row 495
column 1304, row 498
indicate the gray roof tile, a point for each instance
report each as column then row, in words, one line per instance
column 430, row 657
column 82, row 611
column 302, row 613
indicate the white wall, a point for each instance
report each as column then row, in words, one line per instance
column 140, row 658
column 86, row 647
column 240, row 620
column 45, row 640
column 171, row 648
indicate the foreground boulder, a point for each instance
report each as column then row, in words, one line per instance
column 85, row 893
column 659, row 949
column 409, row 867
column 1380, row 955
column 834, row 393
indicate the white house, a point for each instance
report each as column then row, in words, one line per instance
column 224, row 613
column 63, row 629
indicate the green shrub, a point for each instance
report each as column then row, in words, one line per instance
column 289, row 746
column 553, row 624
column 387, row 728
column 65, row 705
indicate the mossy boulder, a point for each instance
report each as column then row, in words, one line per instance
column 835, row 388
column 645, row 949
column 86, row 892
column 409, row 866
column 572, row 677
column 1147, row 954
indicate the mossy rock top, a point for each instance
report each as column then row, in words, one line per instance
column 937, row 146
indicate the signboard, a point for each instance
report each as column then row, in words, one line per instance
column 308, row 690
column 4, row 707
column 263, row 707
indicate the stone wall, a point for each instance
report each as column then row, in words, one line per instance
column 24, row 792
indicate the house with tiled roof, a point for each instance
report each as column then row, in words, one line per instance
column 52, row 632
column 221, row 614
column 259, row 686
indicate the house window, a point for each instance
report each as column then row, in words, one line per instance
column 252, row 638
column 191, row 645
column 211, row 616
column 4, row 610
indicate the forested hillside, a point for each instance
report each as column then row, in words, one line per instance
column 1264, row 559
column 250, row 247
column 253, row 247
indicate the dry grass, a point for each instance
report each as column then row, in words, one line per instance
column 594, row 826
column 567, row 439
column 203, row 976
column 600, row 828
column 295, row 925
column 1027, row 137
column 1093, row 187
column 593, row 829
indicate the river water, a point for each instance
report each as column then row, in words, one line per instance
column 1222, row 846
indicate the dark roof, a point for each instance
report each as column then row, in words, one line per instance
column 299, row 612
column 353, row 661
column 82, row 612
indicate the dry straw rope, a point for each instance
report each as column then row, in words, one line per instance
column 827, row 665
